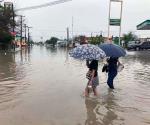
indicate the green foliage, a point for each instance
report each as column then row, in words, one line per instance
column 6, row 19
column 30, row 42
column 96, row 40
column 5, row 37
column 6, row 24
column 116, row 40
column 129, row 37
column 52, row 41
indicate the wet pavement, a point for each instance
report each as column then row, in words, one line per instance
column 44, row 86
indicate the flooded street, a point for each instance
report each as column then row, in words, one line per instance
column 44, row 86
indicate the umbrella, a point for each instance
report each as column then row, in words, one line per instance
column 112, row 50
column 88, row 52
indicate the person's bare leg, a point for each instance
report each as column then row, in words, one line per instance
column 95, row 91
column 86, row 91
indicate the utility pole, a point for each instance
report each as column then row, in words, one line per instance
column 72, row 29
column 21, row 27
column 25, row 30
column 120, row 23
column 67, row 34
column 28, row 34
column 21, row 31
column 13, row 18
column 109, row 18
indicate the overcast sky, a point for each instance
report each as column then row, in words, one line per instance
column 89, row 16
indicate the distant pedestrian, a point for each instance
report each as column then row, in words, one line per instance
column 113, row 63
column 83, row 40
column 92, row 76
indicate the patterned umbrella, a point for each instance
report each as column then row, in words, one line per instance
column 112, row 50
column 88, row 52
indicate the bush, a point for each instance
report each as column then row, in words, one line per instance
column 52, row 41
column 5, row 37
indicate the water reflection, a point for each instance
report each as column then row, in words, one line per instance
column 103, row 112
column 12, row 65
column 91, row 107
column 25, row 54
column 138, row 56
column 53, row 50
column 111, row 107
column 43, row 79
column 7, row 65
column 138, row 64
column 12, row 74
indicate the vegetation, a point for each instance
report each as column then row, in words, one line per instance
column 96, row 40
column 129, row 37
column 6, row 24
column 116, row 40
column 5, row 37
column 52, row 41
column 30, row 42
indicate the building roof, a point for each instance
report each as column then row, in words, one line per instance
column 144, row 25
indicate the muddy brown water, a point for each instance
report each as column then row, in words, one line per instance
column 44, row 86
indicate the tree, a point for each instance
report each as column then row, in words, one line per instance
column 52, row 41
column 116, row 40
column 129, row 37
column 6, row 24
column 5, row 37
column 6, row 19
column 101, row 39
column 97, row 40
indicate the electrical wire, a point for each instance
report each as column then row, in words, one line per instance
column 43, row 5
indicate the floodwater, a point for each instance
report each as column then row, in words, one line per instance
column 44, row 86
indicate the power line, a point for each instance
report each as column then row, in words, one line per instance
column 43, row 5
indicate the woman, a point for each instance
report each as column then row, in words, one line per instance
column 112, row 70
column 92, row 75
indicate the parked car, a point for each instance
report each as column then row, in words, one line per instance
column 132, row 44
column 141, row 46
column 144, row 45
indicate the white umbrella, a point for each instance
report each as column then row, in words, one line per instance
column 88, row 52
